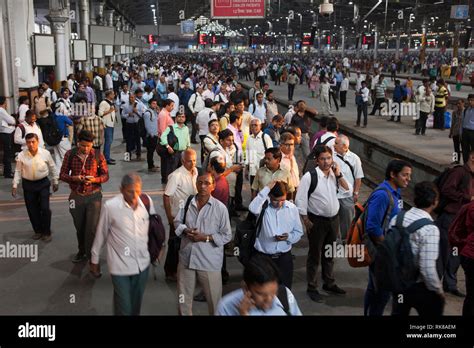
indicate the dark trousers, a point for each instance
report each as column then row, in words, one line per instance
column 448, row 261
column 374, row 300
column 291, row 91
column 85, row 211
column 468, row 266
column 202, row 137
column 323, row 232
column 151, row 143
column 124, row 128
column 362, row 108
column 392, row 118
column 133, row 139
column 262, row 80
column 467, row 143
column 7, row 142
column 238, row 189
column 169, row 163
column 332, row 95
column 377, row 105
column 457, row 147
column 420, row 124
column 438, row 122
column 36, row 195
column 343, row 95
column 128, row 293
column 426, row 302
column 194, row 127
column 284, row 263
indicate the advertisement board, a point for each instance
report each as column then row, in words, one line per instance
column 237, row 8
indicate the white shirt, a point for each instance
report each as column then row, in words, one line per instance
column 256, row 151
column 345, row 84
column 98, row 80
column 124, row 103
column 109, row 119
column 36, row 167
column 272, row 110
column 289, row 164
column 196, row 105
column 125, row 233
column 63, row 107
column 108, row 82
column 7, row 122
column 18, row 139
column 260, row 111
column 324, row 89
column 356, row 164
column 323, row 201
column 208, row 94
column 181, row 184
column 221, row 98
column 203, row 118
column 365, row 94
column 22, row 109
column 174, row 97
column 289, row 115
column 359, row 82
column 331, row 142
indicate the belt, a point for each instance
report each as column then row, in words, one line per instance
column 88, row 194
column 274, row 256
column 324, row 218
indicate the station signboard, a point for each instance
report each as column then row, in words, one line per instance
column 237, row 8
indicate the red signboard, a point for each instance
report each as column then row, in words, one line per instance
column 237, row 8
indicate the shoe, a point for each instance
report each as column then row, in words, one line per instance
column 456, row 292
column 315, row 296
column 200, row 297
column 241, row 208
column 8, row 176
column 46, row 238
column 154, row 169
column 79, row 258
column 112, row 160
column 37, row 236
column 334, row 289
column 110, row 163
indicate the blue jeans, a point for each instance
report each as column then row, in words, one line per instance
column 108, row 139
column 128, row 293
column 374, row 300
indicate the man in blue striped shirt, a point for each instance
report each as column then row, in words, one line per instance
column 281, row 228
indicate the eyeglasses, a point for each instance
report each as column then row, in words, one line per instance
column 288, row 145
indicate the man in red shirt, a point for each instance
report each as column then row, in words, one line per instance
column 84, row 169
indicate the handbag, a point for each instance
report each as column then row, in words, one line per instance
column 172, row 141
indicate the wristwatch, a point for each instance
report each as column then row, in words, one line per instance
column 207, row 239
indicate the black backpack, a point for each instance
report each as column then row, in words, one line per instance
column 395, row 268
column 246, row 233
column 51, row 133
column 156, row 231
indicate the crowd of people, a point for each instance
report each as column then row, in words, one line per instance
column 168, row 102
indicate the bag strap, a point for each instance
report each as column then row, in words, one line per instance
column 146, row 202
column 314, row 181
column 263, row 141
column 260, row 218
column 283, row 297
column 416, row 225
column 186, row 207
column 400, row 217
column 350, row 166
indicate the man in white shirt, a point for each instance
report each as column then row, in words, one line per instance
column 174, row 97
column 343, row 91
column 319, row 210
column 329, row 138
column 107, row 113
column 202, row 121
column 359, row 80
column 24, row 103
column 108, row 81
column 257, row 144
column 204, row 229
column 324, row 90
column 351, row 168
column 181, row 184
column 272, row 107
column 211, row 140
column 258, row 108
column 7, row 127
column 362, row 100
column 208, row 93
column 195, row 104
column 26, row 127
column 123, row 228
column 288, row 160
column 33, row 166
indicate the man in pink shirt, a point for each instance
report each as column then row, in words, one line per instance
column 164, row 117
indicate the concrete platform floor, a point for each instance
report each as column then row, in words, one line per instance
column 434, row 147
column 55, row 286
